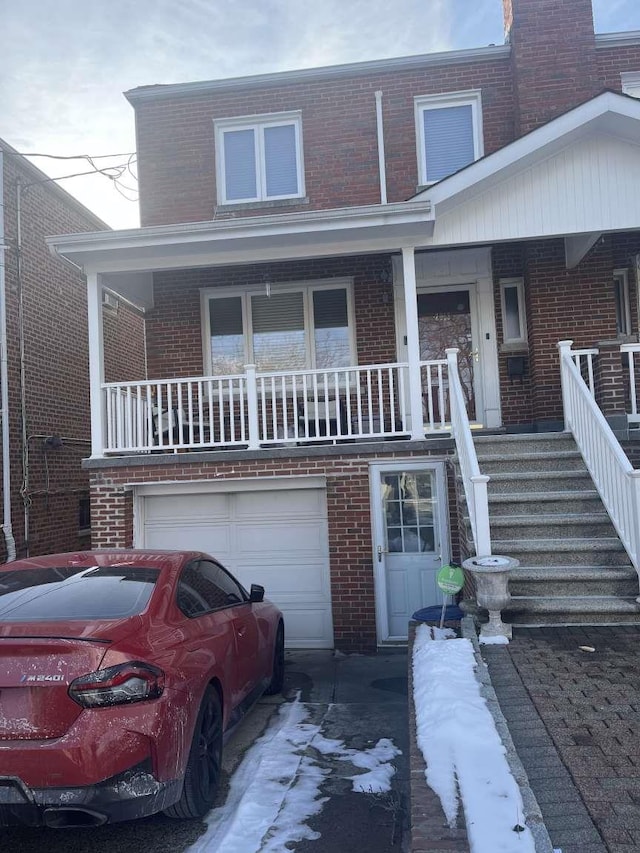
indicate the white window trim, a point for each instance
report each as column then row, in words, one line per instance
column 622, row 276
column 631, row 83
column 306, row 287
column 518, row 283
column 258, row 123
column 472, row 97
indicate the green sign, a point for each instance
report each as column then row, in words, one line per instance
column 450, row 579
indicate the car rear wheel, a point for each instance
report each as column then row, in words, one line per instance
column 205, row 760
column 277, row 675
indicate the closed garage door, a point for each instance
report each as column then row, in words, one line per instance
column 274, row 537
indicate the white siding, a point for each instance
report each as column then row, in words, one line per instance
column 590, row 186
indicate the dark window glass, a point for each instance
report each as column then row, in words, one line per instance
column 74, row 592
column 84, row 513
column 206, row 586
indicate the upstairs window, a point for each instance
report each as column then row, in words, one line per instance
column 631, row 83
column 295, row 327
column 259, row 158
column 449, row 134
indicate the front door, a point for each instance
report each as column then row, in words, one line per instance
column 411, row 541
column 447, row 318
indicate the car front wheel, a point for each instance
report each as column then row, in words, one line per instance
column 205, row 760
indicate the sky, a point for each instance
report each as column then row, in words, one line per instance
column 65, row 65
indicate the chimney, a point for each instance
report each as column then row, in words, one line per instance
column 553, row 57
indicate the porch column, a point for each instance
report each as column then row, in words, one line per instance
column 96, row 364
column 413, row 344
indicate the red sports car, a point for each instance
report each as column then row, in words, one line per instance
column 121, row 673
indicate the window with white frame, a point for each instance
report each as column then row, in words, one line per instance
column 259, row 158
column 448, row 132
column 514, row 325
column 631, row 83
column 623, row 305
column 279, row 328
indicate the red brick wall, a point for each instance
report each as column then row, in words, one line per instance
column 176, row 154
column 553, row 58
column 124, row 354
column 174, row 338
column 614, row 60
column 56, row 362
column 348, row 500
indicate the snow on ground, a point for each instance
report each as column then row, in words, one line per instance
column 276, row 788
column 498, row 640
column 464, row 755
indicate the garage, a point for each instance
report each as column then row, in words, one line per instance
column 270, row 531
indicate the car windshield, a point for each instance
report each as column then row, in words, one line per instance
column 75, row 592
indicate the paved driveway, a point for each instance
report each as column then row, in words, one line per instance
column 349, row 703
column 571, row 697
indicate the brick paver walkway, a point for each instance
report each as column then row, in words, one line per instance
column 574, row 716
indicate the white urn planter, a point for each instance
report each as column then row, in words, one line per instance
column 491, row 575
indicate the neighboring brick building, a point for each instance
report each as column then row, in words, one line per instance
column 48, row 424
column 336, row 230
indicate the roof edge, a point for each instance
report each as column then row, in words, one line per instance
column 632, row 37
column 160, row 90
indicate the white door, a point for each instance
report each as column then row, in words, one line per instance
column 277, row 538
column 411, row 541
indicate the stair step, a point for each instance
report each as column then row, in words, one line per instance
column 515, row 445
column 540, row 503
column 540, row 481
column 606, row 551
column 563, row 460
column 573, row 610
column 534, row 581
column 552, row 525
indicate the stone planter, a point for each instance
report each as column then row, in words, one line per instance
column 491, row 575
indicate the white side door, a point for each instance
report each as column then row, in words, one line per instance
column 411, row 541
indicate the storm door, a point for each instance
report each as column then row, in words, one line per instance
column 446, row 318
column 411, row 542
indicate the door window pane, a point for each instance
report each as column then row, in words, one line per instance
column 278, row 331
column 227, row 336
column 409, row 520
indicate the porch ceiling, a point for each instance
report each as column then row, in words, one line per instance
column 325, row 233
column 576, row 175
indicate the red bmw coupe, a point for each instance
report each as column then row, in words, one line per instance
column 121, row 674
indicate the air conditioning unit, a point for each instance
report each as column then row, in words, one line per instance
column 110, row 300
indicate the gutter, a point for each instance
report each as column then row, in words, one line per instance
column 4, row 388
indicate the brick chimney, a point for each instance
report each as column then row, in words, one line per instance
column 553, row 57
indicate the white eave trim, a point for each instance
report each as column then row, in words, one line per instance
column 554, row 131
column 403, row 63
column 628, row 39
column 99, row 252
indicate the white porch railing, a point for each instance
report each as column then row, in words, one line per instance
column 631, row 351
column 613, row 475
column 474, row 483
column 257, row 409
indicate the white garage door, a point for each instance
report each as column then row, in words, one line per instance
column 277, row 538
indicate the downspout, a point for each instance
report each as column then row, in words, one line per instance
column 7, row 528
column 381, row 160
column 24, row 491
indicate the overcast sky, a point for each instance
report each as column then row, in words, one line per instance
column 65, row 64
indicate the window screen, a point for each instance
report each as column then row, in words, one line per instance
column 448, row 140
column 240, row 165
column 280, row 160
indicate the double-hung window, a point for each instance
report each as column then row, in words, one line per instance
column 449, row 134
column 291, row 327
column 259, row 158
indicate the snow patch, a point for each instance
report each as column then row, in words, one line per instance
column 493, row 641
column 463, row 752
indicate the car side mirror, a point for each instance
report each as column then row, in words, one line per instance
column 257, row 593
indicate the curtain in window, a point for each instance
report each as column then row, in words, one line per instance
column 448, row 140
column 278, row 331
column 240, row 164
column 280, row 160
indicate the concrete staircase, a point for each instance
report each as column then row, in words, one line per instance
column 545, row 511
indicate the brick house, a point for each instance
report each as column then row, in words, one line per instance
column 44, row 341
column 347, row 273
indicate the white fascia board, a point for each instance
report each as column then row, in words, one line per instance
column 628, row 39
column 352, row 69
column 141, row 248
column 229, row 484
column 539, row 143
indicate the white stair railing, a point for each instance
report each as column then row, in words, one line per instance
column 617, row 482
column 474, row 483
column 631, row 350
